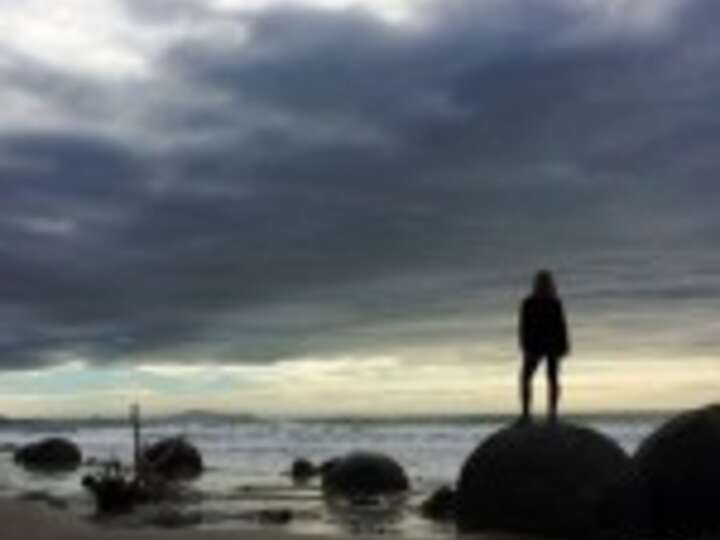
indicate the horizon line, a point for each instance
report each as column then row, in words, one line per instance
column 250, row 416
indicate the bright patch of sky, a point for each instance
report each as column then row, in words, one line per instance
column 352, row 385
column 392, row 11
column 87, row 35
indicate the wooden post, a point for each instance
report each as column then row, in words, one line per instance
column 135, row 421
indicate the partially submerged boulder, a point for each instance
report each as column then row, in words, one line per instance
column 328, row 464
column 303, row 470
column 49, row 455
column 556, row 480
column 440, row 506
column 173, row 458
column 112, row 494
column 364, row 474
column 678, row 467
column 275, row 516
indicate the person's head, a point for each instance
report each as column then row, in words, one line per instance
column 544, row 285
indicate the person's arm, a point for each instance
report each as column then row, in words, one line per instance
column 564, row 334
column 522, row 326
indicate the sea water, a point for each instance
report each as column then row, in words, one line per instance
column 247, row 464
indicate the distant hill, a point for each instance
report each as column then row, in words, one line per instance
column 184, row 417
column 209, row 417
column 201, row 415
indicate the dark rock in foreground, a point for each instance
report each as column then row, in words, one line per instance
column 49, row 455
column 326, row 465
column 363, row 474
column 555, row 480
column 440, row 506
column 280, row 516
column 174, row 458
column 113, row 495
column 118, row 491
column 678, row 467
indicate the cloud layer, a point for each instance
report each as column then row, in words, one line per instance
column 209, row 182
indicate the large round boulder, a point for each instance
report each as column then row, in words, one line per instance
column 174, row 458
column 53, row 454
column 362, row 474
column 679, row 468
column 555, row 479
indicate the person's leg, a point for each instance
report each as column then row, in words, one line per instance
column 553, row 368
column 530, row 363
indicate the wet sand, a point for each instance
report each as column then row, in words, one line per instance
column 22, row 520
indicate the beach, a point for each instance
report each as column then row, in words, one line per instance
column 23, row 520
column 246, row 473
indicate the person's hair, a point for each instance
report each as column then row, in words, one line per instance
column 544, row 285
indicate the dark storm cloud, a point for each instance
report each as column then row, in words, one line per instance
column 332, row 182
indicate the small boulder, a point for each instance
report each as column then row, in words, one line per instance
column 328, row 464
column 556, row 480
column 363, row 474
column 174, row 458
column 303, row 470
column 49, row 455
column 440, row 506
column 678, row 467
column 279, row 516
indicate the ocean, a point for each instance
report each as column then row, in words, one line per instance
column 247, row 464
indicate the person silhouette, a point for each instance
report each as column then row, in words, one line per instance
column 542, row 332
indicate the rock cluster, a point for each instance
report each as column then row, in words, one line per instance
column 161, row 466
column 554, row 480
column 565, row 481
column 112, row 494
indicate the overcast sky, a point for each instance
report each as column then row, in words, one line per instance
column 335, row 206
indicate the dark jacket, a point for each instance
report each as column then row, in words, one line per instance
column 542, row 329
